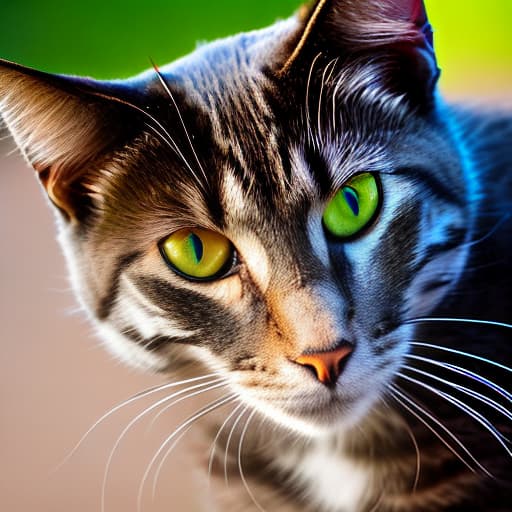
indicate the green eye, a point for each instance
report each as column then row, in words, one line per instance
column 197, row 253
column 353, row 207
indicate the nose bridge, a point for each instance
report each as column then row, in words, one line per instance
column 304, row 299
column 310, row 317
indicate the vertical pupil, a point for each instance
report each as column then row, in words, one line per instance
column 197, row 247
column 352, row 200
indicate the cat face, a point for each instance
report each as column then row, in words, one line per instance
column 193, row 205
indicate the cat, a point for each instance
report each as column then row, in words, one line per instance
column 294, row 219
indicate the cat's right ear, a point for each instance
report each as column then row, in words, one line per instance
column 394, row 33
column 63, row 126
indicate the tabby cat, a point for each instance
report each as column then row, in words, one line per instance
column 293, row 219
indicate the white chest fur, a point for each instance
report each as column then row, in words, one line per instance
column 334, row 482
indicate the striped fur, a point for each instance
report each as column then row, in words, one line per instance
column 250, row 137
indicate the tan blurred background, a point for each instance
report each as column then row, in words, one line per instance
column 55, row 379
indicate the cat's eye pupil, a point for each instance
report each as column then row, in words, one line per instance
column 352, row 199
column 197, row 247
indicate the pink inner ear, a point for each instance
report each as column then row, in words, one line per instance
column 414, row 10
column 419, row 16
column 418, row 12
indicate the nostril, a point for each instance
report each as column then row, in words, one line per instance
column 327, row 366
column 342, row 363
column 312, row 369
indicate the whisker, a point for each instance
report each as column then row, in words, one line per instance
column 465, row 408
column 134, row 398
column 172, row 404
column 165, row 137
column 167, row 89
column 412, row 403
column 308, row 85
column 239, row 458
column 460, row 320
column 466, row 373
column 321, row 94
column 214, row 444
column 228, row 442
column 141, row 415
column 418, row 457
column 462, row 353
column 470, row 392
column 175, row 148
column 334, row 98
column 164, row 458
column 333, row 63
column 378, row 502
column 491, row 231
column 219, row 402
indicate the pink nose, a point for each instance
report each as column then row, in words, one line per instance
column 327, row 366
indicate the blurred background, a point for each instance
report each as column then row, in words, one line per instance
column 55, row 379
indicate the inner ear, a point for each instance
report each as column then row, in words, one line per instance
column 65, row 127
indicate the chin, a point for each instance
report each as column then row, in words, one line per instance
column 334, row 416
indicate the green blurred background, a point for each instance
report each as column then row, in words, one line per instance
column 117, row 39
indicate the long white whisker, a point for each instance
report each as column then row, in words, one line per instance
column 228, row 442
column 164, row 458
column 466, row 373
column 191, row 419
column 167, row 139
column 459, row 320
column 168, row 452
column 465, row 408
column 167, row 89
column 321, row 94
column 403, row 396
column 418, row 456
column 175, row 148
column 461, row 353
column 134, row 398
column 470, row 392
column 308, row 85
column 333, row 63
column 214, row 444
column 141, row 415
column 164, row 138
column 334, row 98
column 239, row 459
column 172, row 404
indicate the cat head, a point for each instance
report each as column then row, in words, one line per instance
column 277, row 205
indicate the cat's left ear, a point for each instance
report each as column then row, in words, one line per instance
column 395, row 32
column 65, row 126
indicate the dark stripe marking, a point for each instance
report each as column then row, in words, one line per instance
column 106, row 303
